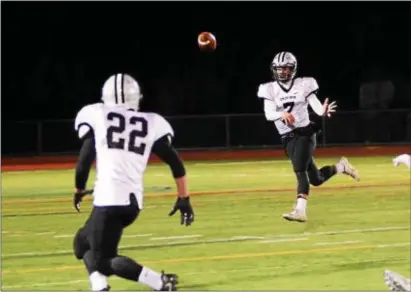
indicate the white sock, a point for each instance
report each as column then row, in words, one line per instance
column 98, row 281
column 301, row 204
column 151, row 278
column 340, row 167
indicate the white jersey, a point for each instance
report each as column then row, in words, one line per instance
column 123, row 140
column 293, row 100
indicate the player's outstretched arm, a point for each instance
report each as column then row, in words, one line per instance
column 321, row 109
column 168, row 154
column 84, row 162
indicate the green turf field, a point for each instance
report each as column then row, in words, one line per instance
column 239, row 240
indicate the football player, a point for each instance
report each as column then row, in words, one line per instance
column 286, row 101
column 121, row 139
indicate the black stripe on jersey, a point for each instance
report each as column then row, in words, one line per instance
column 312, row 92
column 85, row 124
column 115, row 88
column 122, row 89
column 264, row 98
column 284, row 88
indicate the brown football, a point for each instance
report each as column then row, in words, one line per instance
column 207, row 41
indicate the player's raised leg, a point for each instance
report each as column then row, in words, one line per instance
column 319, row 176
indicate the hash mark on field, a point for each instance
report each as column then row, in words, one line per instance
column 338, row 243
column 63, row 236
column 176, row 237
column 283, row 240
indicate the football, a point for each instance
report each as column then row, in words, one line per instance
column 207, row 41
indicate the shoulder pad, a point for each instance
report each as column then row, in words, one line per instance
column 84, row 119
column 263, row 90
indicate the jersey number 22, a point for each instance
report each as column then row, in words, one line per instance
column 119, row 129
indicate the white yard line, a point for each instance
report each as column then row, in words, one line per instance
column 376, row 229
column 176, row 237
column 222, row 240
column 64, row 236
column 338, row 243
column 240, row 162
column 46, row 233
column 394, row 244
column 247, row 237
column 136, row 235
column 284, row 240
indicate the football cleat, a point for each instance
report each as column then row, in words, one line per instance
column 295, row 215
column 170, row 282
column 349, row 169
column 396, row 282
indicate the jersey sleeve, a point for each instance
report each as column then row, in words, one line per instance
column 83, row 123
column 263, row 91
column 310, row 86
column 162, row 127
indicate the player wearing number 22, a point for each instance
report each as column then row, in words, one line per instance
column 286, row 101
column 121, row 139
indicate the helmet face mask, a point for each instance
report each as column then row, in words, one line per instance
column 283, row 73
column 284, row 67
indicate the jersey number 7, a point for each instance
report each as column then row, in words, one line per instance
column 288, row 106
column 119, row 129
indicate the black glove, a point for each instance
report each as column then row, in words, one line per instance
column 187, row 213
column 78, row 197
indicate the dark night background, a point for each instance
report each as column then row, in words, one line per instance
column 56, row 56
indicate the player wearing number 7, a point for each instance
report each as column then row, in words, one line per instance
column 286, row 101
column 121, row 138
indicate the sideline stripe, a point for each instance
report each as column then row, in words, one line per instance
column 221, row 257
column 210, row 193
